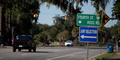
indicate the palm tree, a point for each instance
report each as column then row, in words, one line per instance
column 65, row 5
column 18, row 13
column 99, row 4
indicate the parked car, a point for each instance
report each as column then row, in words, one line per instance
column 69, row 43
column 24, row 42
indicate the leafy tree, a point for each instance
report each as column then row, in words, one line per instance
column 18, row 13
column 115, row 31
column 66, row 5
column 53, row 31
column 20, row 8
column 70, row 7
column 115, row 35
column 104, row 35
column 75, row 32
column 116, row 9
column 43, row 27
column 37, row 38
column 63, row 36
column 42, row 37
column 59, row 23
column 99, row 4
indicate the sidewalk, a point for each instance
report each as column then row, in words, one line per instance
column 5, row 49
column 1, row 47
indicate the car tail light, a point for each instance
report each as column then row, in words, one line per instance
column 28, row 42
column 12, row 42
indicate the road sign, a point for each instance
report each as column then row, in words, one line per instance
column 88, row 34
column 88, row 20
column 105, row 18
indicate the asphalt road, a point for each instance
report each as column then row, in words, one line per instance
column 51, row 53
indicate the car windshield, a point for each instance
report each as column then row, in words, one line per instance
column 69, row 41
column 25, row 37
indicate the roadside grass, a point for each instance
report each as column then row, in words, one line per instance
column 106, row 55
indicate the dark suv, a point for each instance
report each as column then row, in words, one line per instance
column 24, row 42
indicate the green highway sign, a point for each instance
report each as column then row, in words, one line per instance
column 88, row 20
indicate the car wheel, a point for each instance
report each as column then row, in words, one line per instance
column 14, row 49
column 34, row 49
column 68, row 45
column 29, row 50
column 19, row 50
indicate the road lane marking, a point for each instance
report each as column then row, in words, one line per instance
column 66, row 55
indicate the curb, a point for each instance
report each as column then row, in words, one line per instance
column 5, row 47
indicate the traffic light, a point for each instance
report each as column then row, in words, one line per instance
column 65, row 16
column 35, row 15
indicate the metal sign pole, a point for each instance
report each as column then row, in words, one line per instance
column 87, row 51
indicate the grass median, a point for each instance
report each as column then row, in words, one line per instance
column 106, row 55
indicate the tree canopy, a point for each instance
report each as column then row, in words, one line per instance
column 23, row 15
column 116, row 10
column 20, row 13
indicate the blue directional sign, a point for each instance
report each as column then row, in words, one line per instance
column 88, row 34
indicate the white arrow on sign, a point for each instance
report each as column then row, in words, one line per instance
column 82, row 36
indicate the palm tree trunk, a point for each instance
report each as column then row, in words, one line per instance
column 0, row 21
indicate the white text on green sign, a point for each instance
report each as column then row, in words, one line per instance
column 88, row 20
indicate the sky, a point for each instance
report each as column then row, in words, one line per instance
column 47, row 14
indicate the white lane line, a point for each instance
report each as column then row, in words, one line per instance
column 26, row 54
column 29, row 54
column 66, row 55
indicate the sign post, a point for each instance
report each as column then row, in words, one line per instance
column 88, row 34
column 87, row 51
